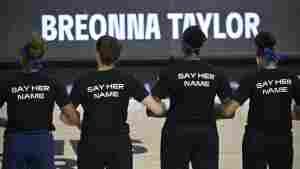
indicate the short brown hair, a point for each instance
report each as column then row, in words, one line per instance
column 109, row 49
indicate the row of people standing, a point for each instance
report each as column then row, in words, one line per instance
column 190, row 134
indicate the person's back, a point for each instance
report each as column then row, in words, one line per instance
column 270, row 100
column 192, row 87
column 190, row 132
column 270, row 90
column 105, row 96
column 30, row 101
column 30, row 95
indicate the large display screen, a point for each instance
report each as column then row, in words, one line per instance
column 148, row 29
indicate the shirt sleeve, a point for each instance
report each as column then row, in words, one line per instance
column 244, row 90
column 3, row 93
column 61, row 95
column 161, row 87
column 296, row 88
column 223, row 87
column 76, row 93
column 137, row 90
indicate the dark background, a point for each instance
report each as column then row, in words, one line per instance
column 20, row 18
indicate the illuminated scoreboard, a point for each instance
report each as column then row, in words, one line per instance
column 148, row 29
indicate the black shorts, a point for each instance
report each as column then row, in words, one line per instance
column 198, row 145
column 113, row 152
column 261, row 150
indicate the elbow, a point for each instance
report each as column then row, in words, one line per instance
column 296, row 112
column 155, row 108
column 155, row 115
column 223, row 112
column 230, row 115
column 231, row 108
column 296, row 117
column 69, row 119
column 149, row 113
column 3, row 122
column 226, row 115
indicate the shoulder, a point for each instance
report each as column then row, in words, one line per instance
column 177, row 64
column 205, row 66
column 18, row 77
column 251, row 74
column 84, row 77
column 52, row 81
column 248, row 77
column 294, row 75
column 126, row 76
column 10, row 77
column 284, row 71
column 214, row 69
column 290, row 73
column 218, row 72
column 49, row 77
column 278, row 73
column 119, row 72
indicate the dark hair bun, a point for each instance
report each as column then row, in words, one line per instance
column 194, row 37
column 265, row 40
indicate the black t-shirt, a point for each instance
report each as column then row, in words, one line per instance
column 30, row 100
column 104, row 96
column 191, row 86
column 271, row 93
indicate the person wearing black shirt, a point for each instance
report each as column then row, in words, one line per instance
column 268, row 139
column 104, row 95
column 190, row 132
column 30, row 95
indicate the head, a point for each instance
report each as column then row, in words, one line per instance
column 265, row 49
column 108, row 50
column 32, row 54
column 192, row 40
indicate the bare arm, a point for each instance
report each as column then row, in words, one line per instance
column 296, row 112
column 230, row 107
column 151, row 114
column 156, row 107
column 219, row 111
column 233, row 103
column 227, row 109
column 70, row 116
column 296, row 96
column 3, row 99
